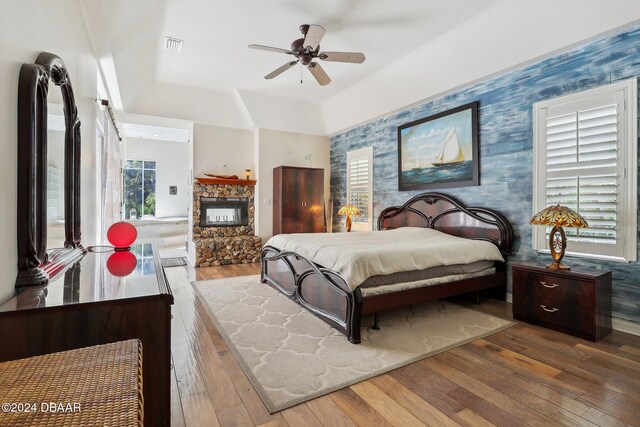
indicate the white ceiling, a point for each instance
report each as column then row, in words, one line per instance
column 158, row 133
column 415, row 49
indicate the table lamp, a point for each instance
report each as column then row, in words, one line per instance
column 349, row 211
column 558, row 216
column 122, row 262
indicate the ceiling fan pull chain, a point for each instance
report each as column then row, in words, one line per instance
column 301, row 73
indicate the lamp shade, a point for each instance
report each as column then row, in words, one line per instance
column 349, row 210
column 121, row 263
column 560, row 216
column 122, row 235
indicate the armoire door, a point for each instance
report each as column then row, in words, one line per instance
column 313, row 203
column 292, row 201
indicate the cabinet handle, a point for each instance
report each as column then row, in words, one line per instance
column 548, row 286
column 552, row 310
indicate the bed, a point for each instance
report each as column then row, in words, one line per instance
column 297, row 265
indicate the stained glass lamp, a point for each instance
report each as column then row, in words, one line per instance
column 349, row 211
column 558, row 216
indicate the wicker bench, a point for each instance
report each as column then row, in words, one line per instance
column 92, row 386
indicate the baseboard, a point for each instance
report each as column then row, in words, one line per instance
column 626, row 326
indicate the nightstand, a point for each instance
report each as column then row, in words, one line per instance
column 577, row 302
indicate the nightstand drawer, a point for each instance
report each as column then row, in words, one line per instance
column 551, row 287
column 564, row 314
column 576, row 301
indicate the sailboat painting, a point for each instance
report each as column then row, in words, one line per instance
column 439, row 151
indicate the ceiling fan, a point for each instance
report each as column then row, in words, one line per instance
column 306, row 50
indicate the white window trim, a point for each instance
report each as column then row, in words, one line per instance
column 628, row 154
column 368, row 153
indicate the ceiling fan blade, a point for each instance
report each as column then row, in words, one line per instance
column 269, row 48
column 313, row 37
column 280, row 70
column 319, row 74
column 353, row 57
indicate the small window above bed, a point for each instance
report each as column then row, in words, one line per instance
column 585, row 158
column 360, row 186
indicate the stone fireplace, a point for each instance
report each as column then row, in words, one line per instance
column 223, row 222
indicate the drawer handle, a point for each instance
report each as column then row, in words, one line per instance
column 552, row 310
column 548, row 286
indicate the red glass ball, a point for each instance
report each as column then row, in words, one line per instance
column 122, row 263
column 122, row 234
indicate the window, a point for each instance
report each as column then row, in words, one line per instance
column 360, row 186
column 139, row 188
column 585, row 158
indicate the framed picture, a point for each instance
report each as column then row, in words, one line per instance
column 439, row 151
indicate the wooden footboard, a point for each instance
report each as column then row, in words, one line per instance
column 320, row 290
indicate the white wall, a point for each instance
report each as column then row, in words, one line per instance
column 261, row 150
column 215, row 146
column 277, row 148
column 27, row 28
column 172, row 168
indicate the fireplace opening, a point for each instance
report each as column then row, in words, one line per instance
column 224, row 211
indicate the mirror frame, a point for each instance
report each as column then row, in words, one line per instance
column 35, row 266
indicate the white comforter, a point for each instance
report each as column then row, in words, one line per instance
column 360, row 255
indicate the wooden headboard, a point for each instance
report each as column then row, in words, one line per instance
column 443, row 213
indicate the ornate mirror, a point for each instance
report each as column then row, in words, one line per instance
column 35, row 265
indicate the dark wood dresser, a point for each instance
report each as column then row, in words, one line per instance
column 86, row 305
column 298, row 200
column 577, row 302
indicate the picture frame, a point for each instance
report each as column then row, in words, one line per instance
column 439, row 151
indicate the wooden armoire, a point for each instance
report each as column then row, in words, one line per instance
column 298, row 200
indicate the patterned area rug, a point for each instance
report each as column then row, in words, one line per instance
column 173, row 262
column 290, row 356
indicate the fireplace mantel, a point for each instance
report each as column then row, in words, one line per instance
column 222, row 181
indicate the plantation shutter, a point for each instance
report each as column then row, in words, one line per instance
column 582, row 153
column 581, row 165
column 359, row 185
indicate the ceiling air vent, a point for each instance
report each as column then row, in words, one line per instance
column 172, row 44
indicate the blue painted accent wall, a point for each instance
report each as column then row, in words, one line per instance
column 506, row 146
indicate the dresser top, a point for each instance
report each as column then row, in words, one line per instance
column 90, row 281
column 575, row 272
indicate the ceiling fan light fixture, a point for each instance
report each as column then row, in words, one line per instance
column 173, row 44
column 307, row 49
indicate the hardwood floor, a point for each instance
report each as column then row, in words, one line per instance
column 524, row 375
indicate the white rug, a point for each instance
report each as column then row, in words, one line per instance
column 290, row 356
